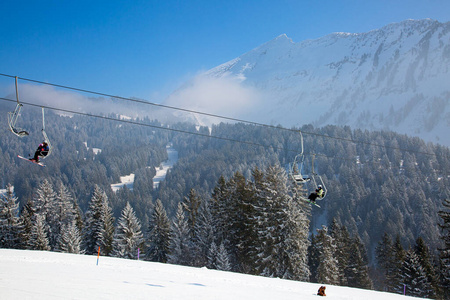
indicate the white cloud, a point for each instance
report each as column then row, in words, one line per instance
column 225, row 96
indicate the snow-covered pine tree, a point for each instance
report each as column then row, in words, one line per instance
column 44, row 204
column 220, row 199
column 398, row 257
column 282, row 227
column 413, row 278
column 385, row 257
column 27, row 220
column 191, row 205
column 106, row 237
column 205, row 232
column 218, row 257
column 444, row 254
column 222, row 259
column 10, row 225
column 180, row 249
column 357, row 270
column 423, row 253
column 62, row 211
column 99, row 228
column 71, row 240
column 313, row 258
column 159, row 235
column 327, row 271
column 38, row 238
column 128, row 238
column 342, row 240
column 296, row 242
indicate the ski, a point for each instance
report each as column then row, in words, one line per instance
column 32, row 161
column 313, row 203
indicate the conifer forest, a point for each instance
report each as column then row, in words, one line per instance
column 228, row 203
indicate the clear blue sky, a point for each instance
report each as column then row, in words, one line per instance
column 147, row 48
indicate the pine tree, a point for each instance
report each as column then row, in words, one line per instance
column 106, row 237
column 445, row 250
column 385, row 258
column 62, row 212
column 129, row 237
column 44, row 204
column 191, row 205
column 399, row 255
column 38, row 238
column 413, row 278
column 218, row 257
column 357, row 270
column 27, row 217
column 99, row 229
column 10, row 225
column 280, row 226
column 296, row 243
column 180, row 241
column 423, row 253
column 205, row 233
column 158, row 243
column 313, row 258
column 327, row 270
column 222, row 259
column 342, row 240
column 212, row 256
column 71, row 239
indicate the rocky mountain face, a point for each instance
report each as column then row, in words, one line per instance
column 394, row 78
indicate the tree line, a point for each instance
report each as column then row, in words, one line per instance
column 258, row 226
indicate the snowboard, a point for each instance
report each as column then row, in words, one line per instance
column 33, row 161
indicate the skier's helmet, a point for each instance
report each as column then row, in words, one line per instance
column 319, row 186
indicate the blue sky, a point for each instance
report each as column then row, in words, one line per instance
column 147, row 49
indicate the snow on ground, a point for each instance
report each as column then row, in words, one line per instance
column 161, row 172
column 95, row 150
column 46, row 275
column 165, row 166
column 127, row 180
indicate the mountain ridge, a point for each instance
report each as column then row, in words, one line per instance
column 392, row 78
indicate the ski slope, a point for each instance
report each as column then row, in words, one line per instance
column 48, row 275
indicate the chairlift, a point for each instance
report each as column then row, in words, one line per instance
column 45, row 136
column 13, row 116
column 317, row 180
column 295, row 168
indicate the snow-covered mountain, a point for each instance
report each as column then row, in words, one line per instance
column 394, row 78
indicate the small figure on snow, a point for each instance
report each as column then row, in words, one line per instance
column 317, row 194
column 42, row 150
column 321, row 291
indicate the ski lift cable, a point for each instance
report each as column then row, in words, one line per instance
column 216, row 116
column 148, row 125
column 176, row 130
column 186, row 132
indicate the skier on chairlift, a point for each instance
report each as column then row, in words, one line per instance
column 317, row 194
column 42, row 150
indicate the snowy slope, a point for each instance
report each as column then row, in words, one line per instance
column 49, row 275
column 394, row 78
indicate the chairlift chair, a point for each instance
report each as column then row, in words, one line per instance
column 317, row 180
column 295, row 168
column 13, row 116
column 45, row 136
